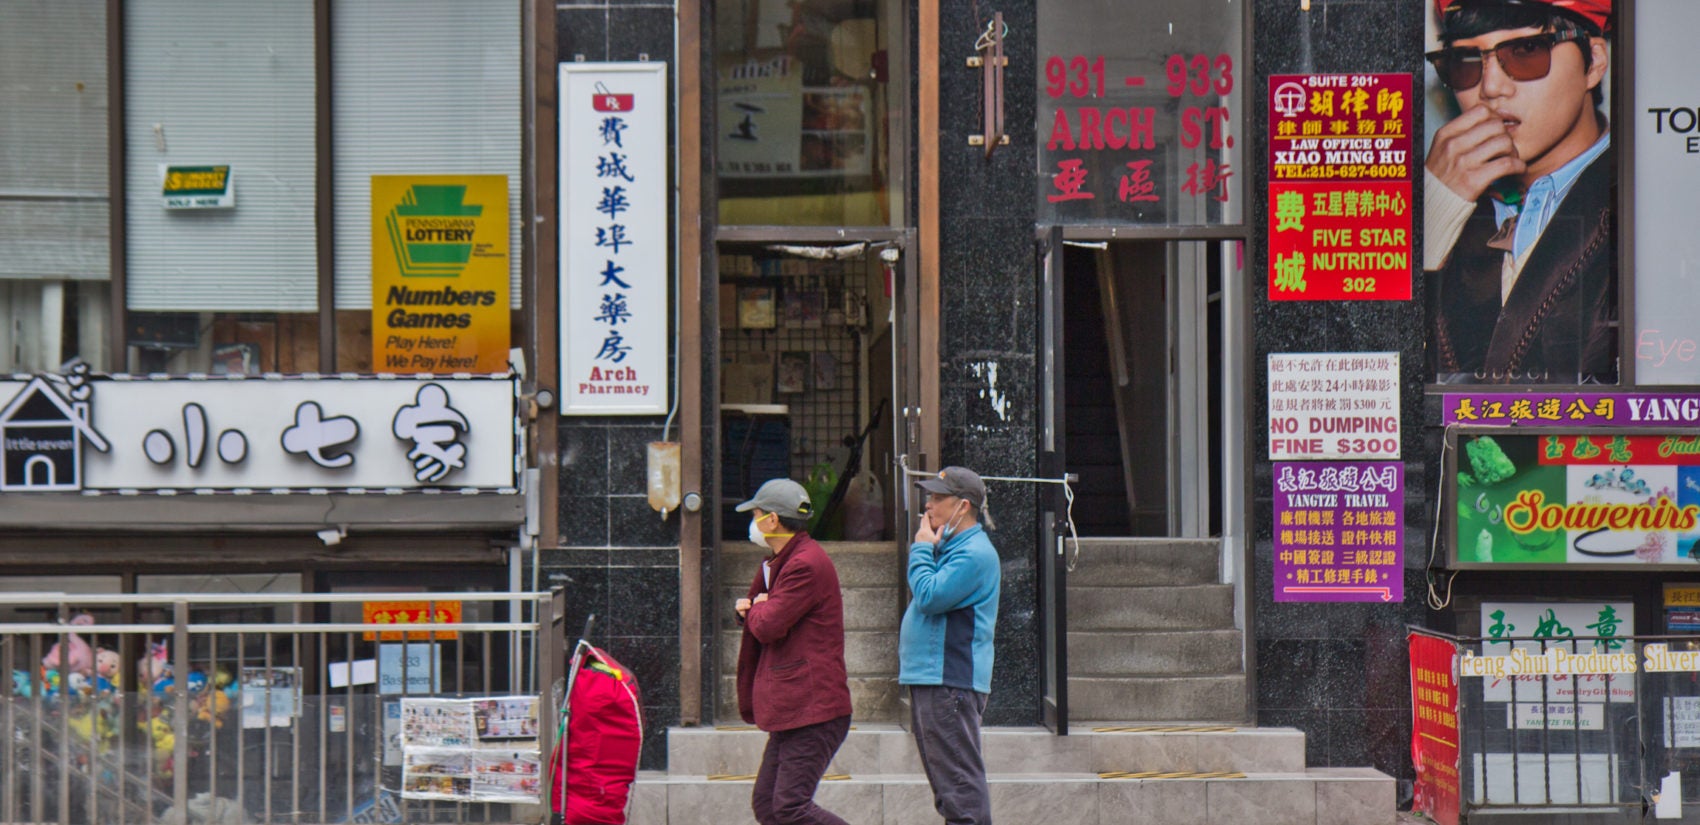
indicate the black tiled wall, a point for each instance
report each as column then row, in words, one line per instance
column 1338, row 672
column 620, row 559
column 988, row 323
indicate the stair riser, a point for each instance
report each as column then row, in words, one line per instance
column 1142, row 564
column 908, row 801
column 865, row 608
column 1195, row 652
column 866, row 653
column 892, row 751
column 1203, row 607
column 1190, row 699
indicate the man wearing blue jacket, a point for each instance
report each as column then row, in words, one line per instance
column 945, row 646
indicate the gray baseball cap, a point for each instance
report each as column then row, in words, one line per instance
column 782, row 496
column 957, row 481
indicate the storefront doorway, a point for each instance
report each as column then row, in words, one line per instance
column 1142, row 365
column 1141, row 405
column 809, row 385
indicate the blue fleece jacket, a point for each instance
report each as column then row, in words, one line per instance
column 953, row 610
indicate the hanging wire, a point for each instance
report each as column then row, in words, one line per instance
column 1436, row 601
column 1068, row 495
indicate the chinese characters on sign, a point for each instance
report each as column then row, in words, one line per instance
column 1533, row 633
column 1573, row 409
column 1124, row 146
column 74, row 433
column 1339, row 527
column 1341, row 405
column 1340, row 187
column 614, row 238
column 412, row 612
column 440, row 269
column 1434, row 727
column 1339, row 522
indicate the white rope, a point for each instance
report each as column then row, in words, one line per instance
column 1068, row 495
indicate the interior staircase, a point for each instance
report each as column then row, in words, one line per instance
column 1157, row 694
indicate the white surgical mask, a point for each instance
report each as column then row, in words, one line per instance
column 757, row 537
column 950, row 526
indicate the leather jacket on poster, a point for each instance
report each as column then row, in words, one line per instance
column 1558, row 323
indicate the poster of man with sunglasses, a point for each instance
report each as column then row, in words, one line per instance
column 1519, row 219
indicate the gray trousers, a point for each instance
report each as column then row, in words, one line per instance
column 946, row 724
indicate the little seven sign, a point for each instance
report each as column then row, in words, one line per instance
column 79, row 433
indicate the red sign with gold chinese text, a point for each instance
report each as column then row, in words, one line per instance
column 1340, row 241
column 1434, row 727
column 1340, row 127
column 416, row 612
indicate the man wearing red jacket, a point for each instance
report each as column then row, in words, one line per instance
column 792, row 681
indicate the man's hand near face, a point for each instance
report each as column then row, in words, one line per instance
column 1471, row 152
column 925, row 534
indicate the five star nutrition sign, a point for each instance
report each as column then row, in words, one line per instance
column 1340, row 187
column 614, row 233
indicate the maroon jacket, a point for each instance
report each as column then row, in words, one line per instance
column 791, row 659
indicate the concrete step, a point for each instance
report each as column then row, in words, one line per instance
column 1152, row 653
column 1147, row 562
column 1181, row 607
column 1331, row 796
column 859, row 564
column 873, row 698
column 866, row 652
column 865, row 608
column 887, row 749
column 1157, row 698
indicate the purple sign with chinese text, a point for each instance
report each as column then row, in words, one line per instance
column 1573, row 409
column 1339, row 531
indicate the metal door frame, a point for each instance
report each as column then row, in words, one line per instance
column 1052, row 563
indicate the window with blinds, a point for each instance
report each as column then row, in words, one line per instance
column 209, row 85
column 420, row 87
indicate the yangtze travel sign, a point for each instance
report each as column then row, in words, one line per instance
column 1340, row 171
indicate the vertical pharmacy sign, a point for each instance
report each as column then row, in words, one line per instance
column 614, row 238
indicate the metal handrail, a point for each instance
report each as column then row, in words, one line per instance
column 45, row 755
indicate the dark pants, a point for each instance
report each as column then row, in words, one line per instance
column 791, row 768
column 946, row 723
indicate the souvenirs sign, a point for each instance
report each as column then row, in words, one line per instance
column 1550, row 499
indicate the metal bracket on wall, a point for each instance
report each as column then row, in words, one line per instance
column 991, row 62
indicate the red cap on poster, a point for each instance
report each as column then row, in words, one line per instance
column 1596, row 13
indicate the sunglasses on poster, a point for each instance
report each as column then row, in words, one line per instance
column 1521, row 58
